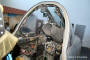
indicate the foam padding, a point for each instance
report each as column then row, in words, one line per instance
column 7, row 43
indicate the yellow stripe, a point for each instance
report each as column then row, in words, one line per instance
column 1, row 7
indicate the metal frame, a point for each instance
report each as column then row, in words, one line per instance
column 67, row 24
